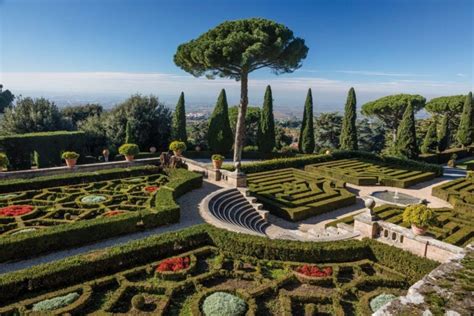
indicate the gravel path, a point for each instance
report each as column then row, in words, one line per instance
column 189, row 216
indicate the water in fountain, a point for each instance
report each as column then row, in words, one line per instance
column 394, row 197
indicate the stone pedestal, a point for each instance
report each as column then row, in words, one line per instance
column 364, row 224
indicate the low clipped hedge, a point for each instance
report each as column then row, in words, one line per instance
column 301, row 161
column 139, row 252
column 165, row 211
column 445, row 156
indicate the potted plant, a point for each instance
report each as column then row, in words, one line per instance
column 217, row 161
column 420, row 217
column 129, row 151
column 71, row 158
column 177, row 147
column 3, row 161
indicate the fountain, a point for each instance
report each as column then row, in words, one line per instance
column 395, row 197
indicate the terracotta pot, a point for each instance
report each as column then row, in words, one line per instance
column 177, row 152
column 71, row 163
column 217, row 164
column 129, row 158
column 418, row 230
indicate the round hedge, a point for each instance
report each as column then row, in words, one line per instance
column 223, row 304
column 377, row 302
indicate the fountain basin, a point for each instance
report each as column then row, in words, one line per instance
column 395, row 197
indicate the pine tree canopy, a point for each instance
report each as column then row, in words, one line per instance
column 234, row 49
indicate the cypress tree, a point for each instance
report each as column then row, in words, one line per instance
column 306, row 141
column 220, row 134
column 266, row 128
column 430, row 142
column 129, row 139
column 443, row 136
column 348, row 138
column 465, row 135
column 179, row 121
column 406, row 137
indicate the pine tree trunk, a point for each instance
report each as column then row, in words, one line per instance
column 240, row 128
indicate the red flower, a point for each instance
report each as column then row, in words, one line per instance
column 113, row 213
column 173, row 264
column 15, row 210
column 314, row 271
column 151, row 189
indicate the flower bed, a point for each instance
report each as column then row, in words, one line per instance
column 175, row 268
column 16, row 210
column 113, row 213
column 314, row 271
column 93, row 199
column 151, row 189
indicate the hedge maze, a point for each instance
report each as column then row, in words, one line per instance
column 295, row 195
column 370, row 172
column 80, row 202
column 454, row 226
column 459, row 192
column 267, row 286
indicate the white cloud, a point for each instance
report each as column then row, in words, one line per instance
column 287, row 91
column 461, row 75
column 378, row 73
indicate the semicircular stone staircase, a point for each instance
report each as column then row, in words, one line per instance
column 235, row 210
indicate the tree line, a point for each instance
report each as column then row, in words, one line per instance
column 388, row 124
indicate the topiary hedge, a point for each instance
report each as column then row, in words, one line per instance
column 46, row 147
column 302, row 161
column 164, row 211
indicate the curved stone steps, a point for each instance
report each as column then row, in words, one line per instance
column 232, row 207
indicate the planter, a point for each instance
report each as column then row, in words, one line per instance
column 129, row 158
column 418, row 230
column 153, row 149
column 177, row 153
column 217, row 164
column 71, row 163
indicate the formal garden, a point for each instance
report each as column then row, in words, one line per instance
column 203, row 270
column 137, row 209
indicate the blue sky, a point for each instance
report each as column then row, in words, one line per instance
column 118, row 47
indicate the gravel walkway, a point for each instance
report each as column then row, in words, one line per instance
column 189, row 216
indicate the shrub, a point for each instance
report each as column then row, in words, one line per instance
column 3, row 161
column 70, row 155
column 217, row 157
column 55, row 303
column 129, row 150
column 419, row 215
column 177, row 146
column 138, row 301
column 223, row 304
column 379, row 301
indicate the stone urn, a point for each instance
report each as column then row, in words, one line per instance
column 217, row 164
column 153, row 149
column 198, row 148
column 106, row 154
column 418, row 230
